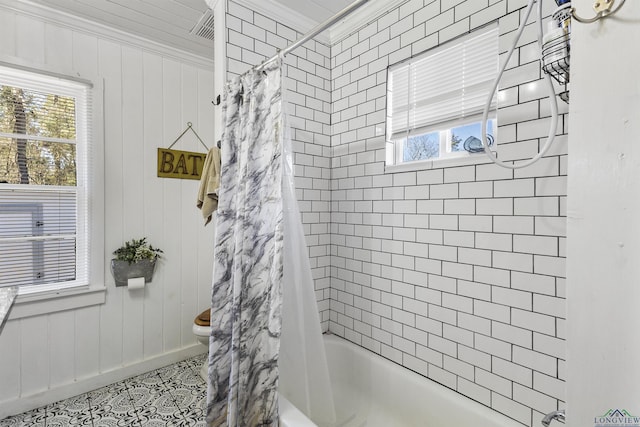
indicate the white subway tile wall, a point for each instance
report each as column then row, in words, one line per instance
column 456, row 273
column 253, row 38
column 462, row 280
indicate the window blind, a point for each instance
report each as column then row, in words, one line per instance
column 44, row 146
column 443, row 85
column 37, row 236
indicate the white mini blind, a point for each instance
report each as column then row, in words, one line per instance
column 44, row 146
column 37, row 236
column 443, row 85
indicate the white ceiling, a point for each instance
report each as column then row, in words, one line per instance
column 170, row 21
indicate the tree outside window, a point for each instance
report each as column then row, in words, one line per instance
column 35, row 128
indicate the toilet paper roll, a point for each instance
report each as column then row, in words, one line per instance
column 135, row 283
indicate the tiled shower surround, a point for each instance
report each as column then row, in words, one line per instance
column 454, row 272
column 253, row 38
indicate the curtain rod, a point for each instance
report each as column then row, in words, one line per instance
column 318, row 29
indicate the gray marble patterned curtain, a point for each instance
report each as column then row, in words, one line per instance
column 248, row 264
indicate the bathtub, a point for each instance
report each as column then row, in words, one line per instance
column 371, row 391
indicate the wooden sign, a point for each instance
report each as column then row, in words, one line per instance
column 180, row 164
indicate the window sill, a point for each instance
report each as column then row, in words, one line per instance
column 54, row 301
column 474, row 159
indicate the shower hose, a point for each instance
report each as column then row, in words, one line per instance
column 552, row 97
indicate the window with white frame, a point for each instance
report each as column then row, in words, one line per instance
column 435, row 100
column 44, row 146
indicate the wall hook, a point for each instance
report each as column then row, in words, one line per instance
column 217, row 101
column 603, row 8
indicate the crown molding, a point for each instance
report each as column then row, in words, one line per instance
column 285, row 15
column 367, row 13
column 88, row 26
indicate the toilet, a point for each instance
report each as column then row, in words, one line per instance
column 202, row 330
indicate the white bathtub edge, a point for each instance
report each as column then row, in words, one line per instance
column 290, row 416
column 444, row 395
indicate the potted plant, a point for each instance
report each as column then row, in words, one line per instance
column 136, row 258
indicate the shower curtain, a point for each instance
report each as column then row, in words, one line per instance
column 265, row 334
column 248, row 263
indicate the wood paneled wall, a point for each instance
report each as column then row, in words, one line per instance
column 150, row 93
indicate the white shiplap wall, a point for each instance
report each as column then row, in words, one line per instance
column 602, row 225
column 150, row 93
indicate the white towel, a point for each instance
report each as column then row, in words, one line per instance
column 209, row 184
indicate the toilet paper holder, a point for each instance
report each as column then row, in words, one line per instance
column 122, row 271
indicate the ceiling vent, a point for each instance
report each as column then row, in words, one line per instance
column 204, row 27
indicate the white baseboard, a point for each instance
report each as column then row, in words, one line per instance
column 84, row 385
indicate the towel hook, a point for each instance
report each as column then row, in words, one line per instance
column 603, row 8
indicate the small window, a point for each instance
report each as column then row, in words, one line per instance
column 435, row 100
column 44, row 140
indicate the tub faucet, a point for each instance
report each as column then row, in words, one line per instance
column 555, row 415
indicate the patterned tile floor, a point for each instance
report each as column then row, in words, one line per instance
column 171, row 396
